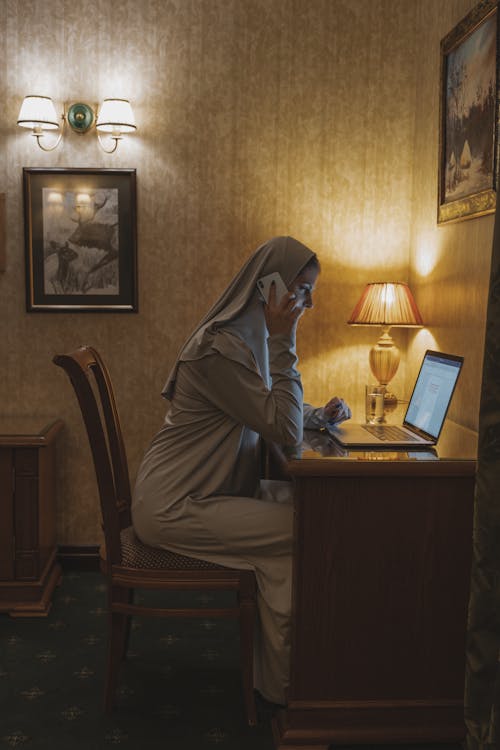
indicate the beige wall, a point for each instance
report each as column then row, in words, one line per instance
column 449, row 263
column 256, row 118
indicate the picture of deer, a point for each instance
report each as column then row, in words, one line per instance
column 58, row 271
column 82, row 259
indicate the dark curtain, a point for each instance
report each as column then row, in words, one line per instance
column 482, row 683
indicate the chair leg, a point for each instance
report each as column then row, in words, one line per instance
column 128, row 623
column 118, row 637
column 117, row 627
column 247, row 623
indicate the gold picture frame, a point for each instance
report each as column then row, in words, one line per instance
column 469, row 113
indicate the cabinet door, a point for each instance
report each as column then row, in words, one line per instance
column 6, row 515
column 26, row 514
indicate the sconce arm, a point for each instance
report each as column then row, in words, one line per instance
column 111, row 150
column 39, row 135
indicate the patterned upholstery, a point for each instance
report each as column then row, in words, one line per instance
column 135, row 554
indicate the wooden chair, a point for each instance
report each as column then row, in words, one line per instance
column 126, row 562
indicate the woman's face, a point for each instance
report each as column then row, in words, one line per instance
column 303, row 286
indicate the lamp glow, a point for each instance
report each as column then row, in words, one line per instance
column 386, row 304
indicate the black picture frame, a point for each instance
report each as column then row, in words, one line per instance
column 469, row 114
column 80, row 239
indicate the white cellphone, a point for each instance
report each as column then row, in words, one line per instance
column 264, row 286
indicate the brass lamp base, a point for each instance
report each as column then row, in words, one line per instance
column 384, row 358
column 384, row 363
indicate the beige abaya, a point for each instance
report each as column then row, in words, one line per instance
column 198, row 490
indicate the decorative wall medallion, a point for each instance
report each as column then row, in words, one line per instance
column 80, row 117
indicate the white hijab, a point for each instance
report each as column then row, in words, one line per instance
column 240, row 311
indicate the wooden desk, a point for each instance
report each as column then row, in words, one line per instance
column 380, row 593
column 28, row 567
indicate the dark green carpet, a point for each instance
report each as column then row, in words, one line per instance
column 179, row 688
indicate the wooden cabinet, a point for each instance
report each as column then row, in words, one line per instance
column 28, row 567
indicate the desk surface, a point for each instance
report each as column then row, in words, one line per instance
column 320, row 454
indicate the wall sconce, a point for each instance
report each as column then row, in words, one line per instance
column 386, row 304
column 115, row 117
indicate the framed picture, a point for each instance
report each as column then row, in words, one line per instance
column 80, row 236
column 468, row 153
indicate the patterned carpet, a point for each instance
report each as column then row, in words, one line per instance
column 179, row 688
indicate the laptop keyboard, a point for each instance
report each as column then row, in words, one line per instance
column 389, row 433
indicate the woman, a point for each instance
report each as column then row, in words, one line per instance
column 198, row 490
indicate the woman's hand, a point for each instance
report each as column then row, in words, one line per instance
column 282, row 316
column 336, row 411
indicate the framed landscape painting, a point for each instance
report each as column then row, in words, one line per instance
column 80, row 238
column 468, row 159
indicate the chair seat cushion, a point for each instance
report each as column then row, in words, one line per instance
column 135, row 554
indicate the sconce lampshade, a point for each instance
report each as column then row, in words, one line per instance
column 386, row 304
column 116, row 115
column 38, row 112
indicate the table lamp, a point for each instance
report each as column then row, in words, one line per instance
column 386, row 304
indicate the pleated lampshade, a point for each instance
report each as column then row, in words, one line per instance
column 387, row 303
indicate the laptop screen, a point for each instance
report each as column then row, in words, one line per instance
column 432, row 393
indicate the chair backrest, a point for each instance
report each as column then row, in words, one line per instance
column 93, row 388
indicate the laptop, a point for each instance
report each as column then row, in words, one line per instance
column 424, row 416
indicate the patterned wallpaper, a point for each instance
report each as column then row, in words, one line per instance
column 315, row 118
column 450, row 264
